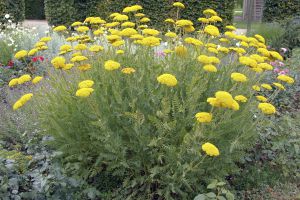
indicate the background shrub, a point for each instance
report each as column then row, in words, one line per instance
column 34, row 9
column 60, row 11
column 276, row 10
column 15, row 8
column 73, row 10
column 194, row 9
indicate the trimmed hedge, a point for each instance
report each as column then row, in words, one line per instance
column 194, row 9
column 15, row 8
column 277, row 10
column 60, row 11
column 34, row 9
column 65, row 12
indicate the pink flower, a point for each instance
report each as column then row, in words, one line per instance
column 281, row 64
column 282, row 73
column 284, row 50
column 276, row 70
column 160, row 53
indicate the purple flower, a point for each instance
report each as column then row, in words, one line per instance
column 160, row 54
column 281, row 64
column 276, row 70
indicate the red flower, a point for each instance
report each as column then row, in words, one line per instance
column 10, row 63
column 41, row 58
column 38, row 58
column 34, row 59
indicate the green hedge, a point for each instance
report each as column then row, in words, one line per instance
column 276, row 10
column 59, row 11
column 65, row 12
column 15, row 8
column 194, row 9
column 34, row 9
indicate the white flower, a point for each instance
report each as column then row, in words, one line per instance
column 6, row 16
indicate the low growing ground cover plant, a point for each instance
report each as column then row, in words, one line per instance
column 141, row 114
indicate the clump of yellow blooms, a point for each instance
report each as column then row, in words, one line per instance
column 210, row 149
column 206, row 50
column 21, row 54
column 267, row 108
column 111, row 65
column 22, row 101
column 60, row 28
column 238, row 77
column 266, row 86
column 128, row 70
column 167, row 79
column 179, row 5
column 24, row 78
column 212, row 30
column 241, row 98
column 37, row 79
column 85, row 88
column 58, row 62
column 261, row 98
column 203, row 117
column 223, row 99
column 286, row 78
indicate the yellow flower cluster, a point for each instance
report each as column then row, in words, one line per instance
column 132, row 8
column 128, row 70
column 212, row 30
column 111, row 65
column 179, row 5
column 19, row 81
column 37, row 79
column 208, row 59
column 210, row 149
column 267, row 108
column 203, row 117
column 22, row 101
column 286, row 78
column 238, row 77
column 223, row 99
column 21, row 54
column 85, row 88
column 241, row 98
column 167, row 79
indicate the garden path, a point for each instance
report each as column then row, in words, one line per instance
column 35, row 23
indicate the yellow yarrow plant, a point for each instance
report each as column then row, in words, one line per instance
column 124, row 90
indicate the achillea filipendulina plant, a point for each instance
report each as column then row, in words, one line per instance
column 161, row 115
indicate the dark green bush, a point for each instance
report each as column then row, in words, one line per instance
column 276, row 10
column 15, row 8
column 65, row 12
column 291, row 37
column 194, row 9
column 34, row 9
column 60, row 11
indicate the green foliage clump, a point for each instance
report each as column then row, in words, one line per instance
column 272, row 32
column 291, row 37
column 141, row 133
column 277, row 10
column 74, row 10
column 60, row 12
column 34, row 9
column 15, row 8
column 223, row 8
